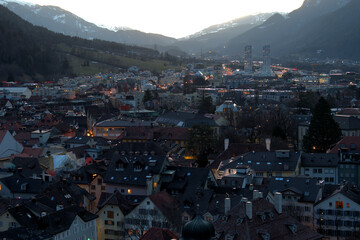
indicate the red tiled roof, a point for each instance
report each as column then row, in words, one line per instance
column 346, row 141
column 30, row 152
column 166, row 204
column 159, row 234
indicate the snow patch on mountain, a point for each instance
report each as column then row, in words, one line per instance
column 5, row 2
column 60, row 18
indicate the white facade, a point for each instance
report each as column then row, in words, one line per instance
column 328, row 174
column 9, row 146
column 79, row 230
column 337, row 215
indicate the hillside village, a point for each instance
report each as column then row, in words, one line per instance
column 134, row 155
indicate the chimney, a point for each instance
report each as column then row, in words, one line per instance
column 268, row 143
column 260, row 195
column 249, row 209
column 255, row 194
column 227, row 205
column 226, row 144
column 278, row 202
column 251, row 187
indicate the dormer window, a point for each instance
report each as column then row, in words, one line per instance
column 119, row 166
column 137, row 167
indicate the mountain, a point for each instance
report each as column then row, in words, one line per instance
column 61, row 21
column 217, row 35
column 306, row 32
column 35, row 53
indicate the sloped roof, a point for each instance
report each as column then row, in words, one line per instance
column 168, row 205
column 159, row 234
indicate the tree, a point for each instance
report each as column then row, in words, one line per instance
column 206, row 105
column 323, row 130
column 147, row 96
column 200, row 143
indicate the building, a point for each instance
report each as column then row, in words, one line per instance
column 281, row 163
column 322, row 166
column 298, row 196
column 248, row 61
column 15, row 93
column 266, row 59
column 112, row 210
column 157, row 210
column 337, row 215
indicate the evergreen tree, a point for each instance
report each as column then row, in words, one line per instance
column 206, row 105
column 200, row 143
column 147, row 96
column 323, row 130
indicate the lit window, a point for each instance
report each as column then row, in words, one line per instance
column 130, row 231
column 110, row 214
column 129, row 191
column 155, row 185
column 339, row 204
column 348, row 205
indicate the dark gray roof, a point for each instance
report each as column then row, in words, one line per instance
column 124, row 123
column 319, row 160
column 348, row 122
column 20, row 184
column 307, row 188
column 185, row 119
column 263, row 161
column 150, row 165
column 348, row 189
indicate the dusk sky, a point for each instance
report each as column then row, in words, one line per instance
column 171, row 18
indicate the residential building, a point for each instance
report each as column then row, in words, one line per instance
column 337, row 215
column 322, row 166
column 157, row 210
column 281, row 163
column 298, row 196
column 112, row 210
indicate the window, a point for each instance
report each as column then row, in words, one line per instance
column 110, row 214
column 92, row 187
column 130, row 231
column 348, row 205
column 314, row 170
column 331, row 179
column 320, row 170
column 103, row 188
column 99, row 181
column 339, row 204
column 307, row 209
column 109, row 222
column 330, row 204
column 129, row 191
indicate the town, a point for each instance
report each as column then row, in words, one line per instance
column 243, row 149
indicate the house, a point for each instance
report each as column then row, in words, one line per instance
column 349, row 125
column 68, row 223
column 299, row 195
column 348, row 149
column 134, row 174
column 322, row 166
column 91, row 178
column 337, row 215
column 259, row 220
column 112, row 210
column 15, row 93
column 20, row 187
column 281, row 163
column 113, row 128
column 8, row 145
column 157, row 210
column 63, row 193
